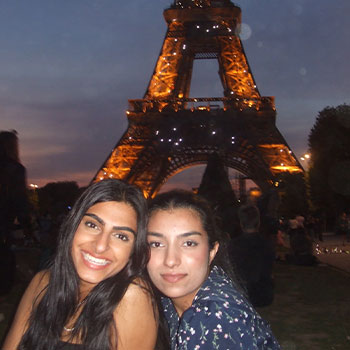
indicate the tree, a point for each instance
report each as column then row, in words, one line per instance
column 329, row 172
column 57, row 197
column 293, row 195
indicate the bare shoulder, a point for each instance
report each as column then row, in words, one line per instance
column 137, row 289
column 138, row 297
column 136, row 318
column 39, row 281
column 29, row 298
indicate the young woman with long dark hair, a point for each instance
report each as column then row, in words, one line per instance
column 95, row 295
column 204, row 306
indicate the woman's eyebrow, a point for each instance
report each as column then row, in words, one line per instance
column 120, row 228
column 155, row 234
column 191, row 233
column 125, row 228
column 185, row 234
column 97, row 218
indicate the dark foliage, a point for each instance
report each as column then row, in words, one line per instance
column 329, row 173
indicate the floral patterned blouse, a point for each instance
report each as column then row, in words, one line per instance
column 219, row 318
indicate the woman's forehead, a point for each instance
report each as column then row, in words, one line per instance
column 181, row 219
column 178, row 212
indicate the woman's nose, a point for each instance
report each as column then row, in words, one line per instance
column 172, row 257
column 102, row 242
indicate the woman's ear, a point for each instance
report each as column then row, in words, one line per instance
column 213, row 252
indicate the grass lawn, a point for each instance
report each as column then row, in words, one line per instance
column 311, row 310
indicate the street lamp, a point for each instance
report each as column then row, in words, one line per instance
column 306, row 157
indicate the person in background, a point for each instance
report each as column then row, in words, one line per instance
column 253, row 256
column 202, row 301
column 301, row 246
column 14, row 205
column 95, row 295
column 342, row 224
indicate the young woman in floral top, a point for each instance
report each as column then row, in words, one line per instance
column 202, row 304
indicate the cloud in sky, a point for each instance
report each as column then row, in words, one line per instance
column 67, row 69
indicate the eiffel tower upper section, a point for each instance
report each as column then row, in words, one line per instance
column 203, row 30
column 169, row 131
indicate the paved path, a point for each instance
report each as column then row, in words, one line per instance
column 334, row 251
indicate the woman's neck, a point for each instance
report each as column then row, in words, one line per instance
column 183, row 303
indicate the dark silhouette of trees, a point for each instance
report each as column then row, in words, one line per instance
column 329, row 172
column 293, row 195
column 57, row 197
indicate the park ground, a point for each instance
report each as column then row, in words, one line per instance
column 311, row 309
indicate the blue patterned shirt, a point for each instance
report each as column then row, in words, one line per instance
column 219, row 318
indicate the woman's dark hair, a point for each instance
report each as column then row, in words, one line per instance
column 95, row 325
column 176, row 199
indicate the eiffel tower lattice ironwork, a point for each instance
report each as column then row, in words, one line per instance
column 169, row 132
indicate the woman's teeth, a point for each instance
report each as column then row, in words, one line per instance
column 93, row 260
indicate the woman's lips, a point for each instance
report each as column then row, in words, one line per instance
column 173, row 278
column 94, row 262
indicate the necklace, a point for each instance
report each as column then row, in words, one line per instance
column 72, row 329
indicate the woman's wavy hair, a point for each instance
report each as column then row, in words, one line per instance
column 178, row 198
column 95, row 325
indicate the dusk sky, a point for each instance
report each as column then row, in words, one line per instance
column 68, row 68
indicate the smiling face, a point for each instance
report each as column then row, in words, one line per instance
column 180, row 255
column 103, row 242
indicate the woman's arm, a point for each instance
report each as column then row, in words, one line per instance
column 24, row 310
column 136, row 320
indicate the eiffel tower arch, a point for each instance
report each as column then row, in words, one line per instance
column 169, row 132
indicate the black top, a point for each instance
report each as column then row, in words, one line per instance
column 70, row 346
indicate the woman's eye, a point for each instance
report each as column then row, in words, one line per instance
column 91, row 224
column 190, row 244
column 122, row 236
column 155, row 244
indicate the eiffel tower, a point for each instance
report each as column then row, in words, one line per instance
column 169, row 132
